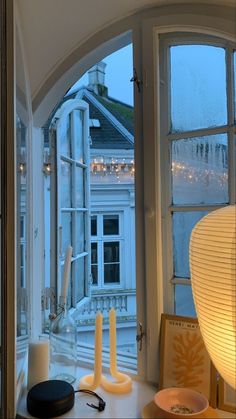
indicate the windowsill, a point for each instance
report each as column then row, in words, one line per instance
column 117, row 406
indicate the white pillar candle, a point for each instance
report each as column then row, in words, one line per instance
column 66, row 273
column 38, row 362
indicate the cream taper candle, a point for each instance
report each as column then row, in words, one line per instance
column 38, row 362
column 112, row 336
column 66, row 273
column 123, row 383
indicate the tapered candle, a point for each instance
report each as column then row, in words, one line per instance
column 98, row 350
column 66, row 274
column 112, row 336
column 123, row 383
column 92, row 381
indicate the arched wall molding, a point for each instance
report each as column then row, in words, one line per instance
column 214, row 19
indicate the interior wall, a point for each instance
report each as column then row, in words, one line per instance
column 210, row 18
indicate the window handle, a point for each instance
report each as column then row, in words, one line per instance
column 140, row 335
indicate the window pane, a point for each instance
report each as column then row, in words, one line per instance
column 235, row 86
column 198, row 87
column 111, row 252
column 94, row 272
column 79, row 187
column 200, row 170
column 65, row 187
column 66, row 232
column 112, row 273
column 93, row 225
column 79, row 233
column 94, row 261
column 79, row 149
column 110, row 224
column 94, row 255
column 184, row 305
column 183, row 223
column 79, row 279
column 65, row 136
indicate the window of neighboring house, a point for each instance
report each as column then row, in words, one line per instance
column 106, row 245
column 197, row 133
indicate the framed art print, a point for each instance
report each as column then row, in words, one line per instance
column 227, row 397
column 184, row 360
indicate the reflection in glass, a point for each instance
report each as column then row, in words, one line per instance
column 184, row 305
column 79, row 237
column 79, row 149
column 94, row 263
column 22, row 317
column 65, row 136
column 65, row 190
column 110, row 224
column 93, row 225
column 65, row 232
column 235, row 86
column 79, row 187
column 111, row 262
column 200, row 170
column 79, row 269
column 183, row 223
column 198, row 91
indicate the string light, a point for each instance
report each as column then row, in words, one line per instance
column 123, row 170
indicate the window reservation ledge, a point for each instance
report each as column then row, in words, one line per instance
column 117, row 405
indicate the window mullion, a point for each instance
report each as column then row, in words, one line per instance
column 197, row 133
column 231, row 133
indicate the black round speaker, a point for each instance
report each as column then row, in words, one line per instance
column 50, row 398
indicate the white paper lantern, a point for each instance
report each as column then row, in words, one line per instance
column 213, row 275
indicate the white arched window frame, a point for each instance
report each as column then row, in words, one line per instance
column 157, row 169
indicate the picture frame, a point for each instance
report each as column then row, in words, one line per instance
column 227, row 397
column 184, row 360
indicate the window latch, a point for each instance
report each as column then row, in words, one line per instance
column 136, row 80
column 140, row 335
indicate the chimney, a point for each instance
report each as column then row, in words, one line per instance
column 97, row 79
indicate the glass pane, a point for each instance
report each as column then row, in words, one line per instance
column 111, row 252
column 198, row 87
column 94, row 261
column 112, row 273
column 66, row 232
column 69, row 290
column 80, row 232
column 64, row 136
column 79, row 278
column 94, row 272
column 184, row 305
column 79, row 187
column 235, row 86
column 65, row 185
column 94, row 255
column 110, row 224
column 93, row 225
column 183, row 223
column 200, row 170
column 79, row 149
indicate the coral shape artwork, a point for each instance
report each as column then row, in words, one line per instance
column 184, row 360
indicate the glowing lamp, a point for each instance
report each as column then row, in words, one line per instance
column 213, row 275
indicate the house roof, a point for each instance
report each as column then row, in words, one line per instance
column 116, row 121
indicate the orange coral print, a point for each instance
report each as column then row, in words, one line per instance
column 188, row 359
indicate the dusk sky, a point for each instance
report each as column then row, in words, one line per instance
column 119, row 71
